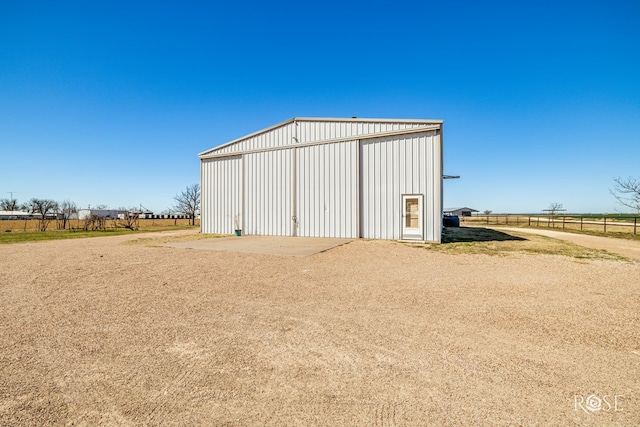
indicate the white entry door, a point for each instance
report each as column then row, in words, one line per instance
column 412, row 220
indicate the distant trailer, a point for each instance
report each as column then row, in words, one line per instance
column 100, row 213
column 348, row 178
column 15, row 215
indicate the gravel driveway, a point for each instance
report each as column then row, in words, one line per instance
column 104, row 332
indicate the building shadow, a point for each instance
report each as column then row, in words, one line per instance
column 475, row 234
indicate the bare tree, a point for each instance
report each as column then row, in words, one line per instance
column 487, row 212
column 9, row 205
column 188, row 202
column 627, row 192
column 45, row 208
column 554, row 208
column 94, row 222
column 66, row 208
column 127, row 218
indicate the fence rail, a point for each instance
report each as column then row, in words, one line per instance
column 603, row 224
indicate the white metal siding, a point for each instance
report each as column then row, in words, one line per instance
column 221, row 194
column 275, row 137
column 327, row 195
column 335, row 189
column 319, row 130
column 267, row 196
column 395, row 166
column 310, row 130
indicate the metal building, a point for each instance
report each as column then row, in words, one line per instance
column 350, row 178
column 465, row 211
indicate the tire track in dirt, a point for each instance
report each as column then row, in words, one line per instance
column 166, row 400
column 186, row 386
column 352, row 413
column 384, row 414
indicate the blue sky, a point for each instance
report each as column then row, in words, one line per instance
column 110, row 102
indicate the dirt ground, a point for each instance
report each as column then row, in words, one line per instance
column 101, row 332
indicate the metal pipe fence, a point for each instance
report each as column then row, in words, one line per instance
column 604, row 224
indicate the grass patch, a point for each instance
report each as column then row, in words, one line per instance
column 478, row 240
column 38, row 236
column 476, row 234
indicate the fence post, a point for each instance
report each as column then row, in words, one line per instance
column 635, row 223
column 580, row 222
column 605, row 224
column 529, row 221
column 563, row 222
column 506, row 219
column 487, row 219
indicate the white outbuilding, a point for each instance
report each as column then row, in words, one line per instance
column 318, row 177
column 465, row 211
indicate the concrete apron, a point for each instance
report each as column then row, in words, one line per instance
column 270, row 245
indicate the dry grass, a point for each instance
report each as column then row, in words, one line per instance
column 96, row 332
column 159, row 240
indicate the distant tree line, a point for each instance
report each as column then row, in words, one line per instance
column 44, row 210
column 47, row 210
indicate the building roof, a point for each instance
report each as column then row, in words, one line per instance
column 315, row 133
column 459, row 209
column 17, row 213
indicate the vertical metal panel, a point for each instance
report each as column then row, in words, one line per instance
column 267, row 195
column 433, row 227
column 327, row 190
column 221, row 190
column 395, row 166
